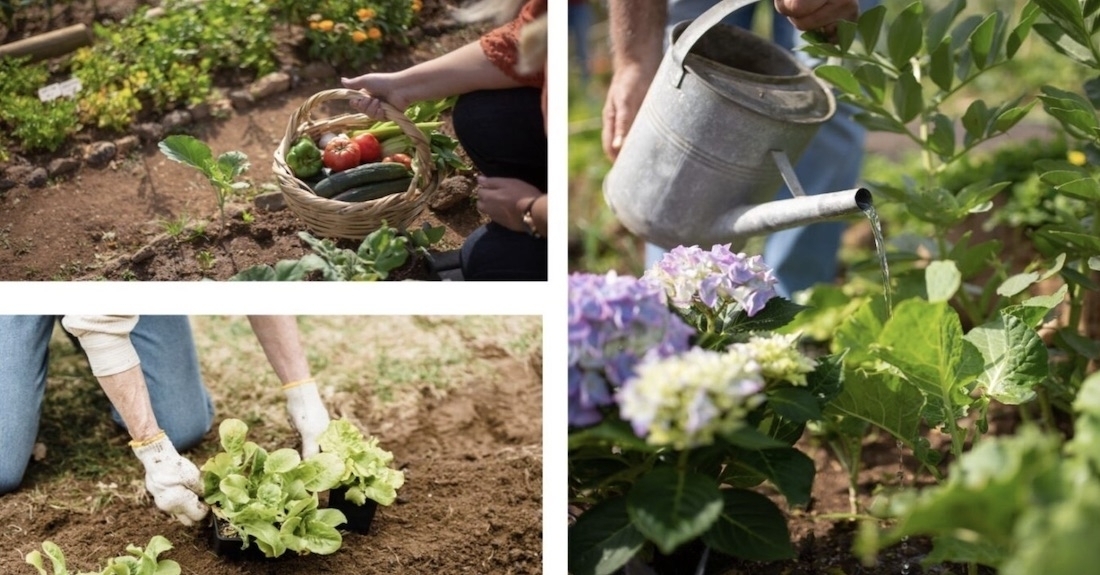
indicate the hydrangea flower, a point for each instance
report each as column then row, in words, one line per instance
column 778, row 357
column 686, row 400
column 714, row 278
column 614, row 321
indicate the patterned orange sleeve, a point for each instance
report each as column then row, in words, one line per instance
column 501, row 45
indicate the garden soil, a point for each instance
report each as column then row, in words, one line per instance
column 472, row 501
column 92, row 224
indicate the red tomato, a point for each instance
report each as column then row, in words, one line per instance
column 341, row 154
column 369, row 148
column 400, row 159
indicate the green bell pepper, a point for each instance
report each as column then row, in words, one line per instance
column 304, row 159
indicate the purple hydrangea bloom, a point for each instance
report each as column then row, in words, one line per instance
column 714, row 278
column 614, row 322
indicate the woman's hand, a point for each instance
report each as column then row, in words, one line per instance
column 377, row 88
column 820, row 15
column 503, row 200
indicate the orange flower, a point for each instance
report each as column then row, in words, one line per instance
column 374, row 33
column 364, row 14
column 313, row 26
column 325, row 25
column 416, row 5
column 358, row 36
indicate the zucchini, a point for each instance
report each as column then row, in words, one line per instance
column 359, row 176
column 374, row 191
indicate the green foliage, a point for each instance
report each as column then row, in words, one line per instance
column 36, row 125
column 367, row 474
column 349, row 33
column 381, row 252
column 222, row 172
column 138, row 562
column 1027, row 503
column 270, row 499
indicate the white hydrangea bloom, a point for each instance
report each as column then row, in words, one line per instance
column 686, row 400
column 778, row 357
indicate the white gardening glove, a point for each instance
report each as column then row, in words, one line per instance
column 171, row 478
column 307, row 413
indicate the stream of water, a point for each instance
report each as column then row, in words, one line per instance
column 880, row 247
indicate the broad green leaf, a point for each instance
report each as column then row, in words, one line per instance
column 282, row 461
column 609, row 432
column 1081, row 345
column 329, row 470
column 790, row 470
column 603, row 539
column 1092, row 89
column 233, row 433
column 840, row 77
column 1048, row 301
column 908, row 98
column 671, row 507
column 752, row 438
column 1015, row 359
column 873, row 81
column 874, row 122
column 870, row 27
column 940, row 22
column 980, row 42
column 1082, row 241
column 975, row 120
column 1067, row 15
column 187, row 150
column 1023, row 28
column 168, row 567
column 1017, row 283
column 857, row 334
column 1058, row 537
column 825, row 381
column 845, row 34
column 942, row 280
column 34, row 559
column 260, row 273
column 235, row 487
column 777, row 313
column 794, row 403
column 750, row 527
column 1063, row 43
column 233, row 164
column 941, row 68
column 266, row 536
column 1087, row 189
column 903, row 40
column 321, row 538
column 924, row 341
column 952, row 550
column 978, row 193
column 1058, row 177
column 973, row 259
column 882, row 400
column 1011, row 116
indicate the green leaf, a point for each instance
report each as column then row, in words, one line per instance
column 1094, row 263
column 790, row 470
column 1023, row 28
column 609, row 432
column 980, row 42
column 777, row 312
column 942, row 279
column 975, row 120
column 1087, row 189
column 1067, row 15
column 1092, row 89
column 282, row 461
column 1015, row 359
column 1081, row 241
column 1011, row 116
column 924, row 341
column 875, row 122
column 1017, row 283
column 233, row 164
column 845, row 34
column 840, row 77
column 903, row 40
column 603, row 539
column 883, row 401
column 873, row 80
column 941, row 68
column 233, row 433
column 857, row 334
column 320, row 537
column 1063, row 43
column 1079, row 344
column 750, row 527
column 940, row 21
column 908, row 98
column 752, row 438
column 794, row 403
column 870, row 27
column 671, row 507
column 187, row 150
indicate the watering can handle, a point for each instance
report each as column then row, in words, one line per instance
column 697, row 28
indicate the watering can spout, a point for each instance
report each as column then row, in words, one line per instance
column 762, row 219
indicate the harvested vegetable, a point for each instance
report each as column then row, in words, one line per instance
column 304, row 158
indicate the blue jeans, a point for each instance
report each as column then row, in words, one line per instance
column 182, row 406
column 580, row 21
column 801, row 257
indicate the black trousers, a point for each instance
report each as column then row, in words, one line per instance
column 502, row 133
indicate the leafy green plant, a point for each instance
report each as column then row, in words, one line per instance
column 222, row 171
column 1028, row 503
column 206, row 260
column 138, row 562
column 271, row 499
column 381, row 252
column 34, row 124
column 367, row 474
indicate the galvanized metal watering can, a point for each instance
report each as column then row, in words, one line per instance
column 725, row 117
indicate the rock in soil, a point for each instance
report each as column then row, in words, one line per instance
column 451, row 192
column 99, row 154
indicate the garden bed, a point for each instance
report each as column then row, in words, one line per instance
column 89, row 220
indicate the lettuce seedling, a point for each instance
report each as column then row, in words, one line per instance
column 366, row 466
column 138, row 562
column 271, row 498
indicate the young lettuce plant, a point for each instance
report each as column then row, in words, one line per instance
column 367, row 474
column 271, row 499
column 138, row 562
column 222, row 171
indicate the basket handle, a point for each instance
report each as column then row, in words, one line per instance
column 422, row 158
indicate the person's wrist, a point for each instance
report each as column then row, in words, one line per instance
column 527, row 217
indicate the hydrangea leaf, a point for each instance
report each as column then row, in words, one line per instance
column 603, row 539
column 671, row 507
column 750, row 527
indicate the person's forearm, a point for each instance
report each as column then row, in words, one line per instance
column 637, row 32
column 466, row 69
column 539, row 214
column 278, row 336
column 130, row 397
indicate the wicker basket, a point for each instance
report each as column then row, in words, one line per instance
column 354, row 220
